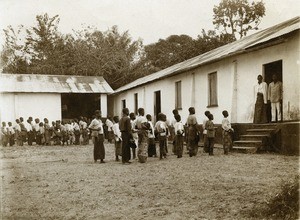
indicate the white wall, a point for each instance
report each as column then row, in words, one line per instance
column 37, row 105
column 236, row 78
column 167, row 87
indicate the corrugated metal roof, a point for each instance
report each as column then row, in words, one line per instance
column 53, row 83
column 237, row 47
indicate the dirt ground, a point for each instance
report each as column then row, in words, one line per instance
column 55, row 182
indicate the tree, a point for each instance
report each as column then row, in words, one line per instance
column 169, row 51
column 110, row 54
column 237, row 17
column 13, row 57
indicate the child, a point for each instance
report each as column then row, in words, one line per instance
column 70, row 131
column 209, row 126
column 64, row 134
column 179, row 133
column 18, row 134
column 48, row 132
column 161, row 129
column 41, row 133
column 4, row 135
column 76, row 131
column 84, row 131
column 151, row 138
column 110, row 133
column 227, row 131
column 11, row 134
column 164, row 119
column 134, row 132
column 205, row 148
column 118, row 137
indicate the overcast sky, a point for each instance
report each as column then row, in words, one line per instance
column 149, row 20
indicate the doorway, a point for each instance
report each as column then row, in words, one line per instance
column 157, row 104
column 79, row 104
column 269, row 70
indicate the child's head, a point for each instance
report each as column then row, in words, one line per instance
column 225, row 113
column 206, row 113
column 160, row 116
column 192, row 110
column 141, row 111
column 116, row 119
column 210, row 117
column 3, row 124
column 41, row 124
column 149, row 117
column 37, row 121
column 178, row 118
column 132, row 116
column 125, row 111
column 9, row 124
column 175, row 112
column 17, row 121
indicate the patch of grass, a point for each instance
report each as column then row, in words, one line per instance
column 285, row 204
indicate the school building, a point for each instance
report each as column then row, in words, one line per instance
column 54, row 97
column 223, row 79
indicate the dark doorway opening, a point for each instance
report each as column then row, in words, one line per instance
column 269, row 70
column 79, row 104
column 157, row 104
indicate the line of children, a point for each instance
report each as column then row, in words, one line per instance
column 42, row 133
column 74, row 132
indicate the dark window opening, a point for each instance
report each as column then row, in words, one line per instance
column 136, row 104
column 123, row 103
column 178, row 103
column 157, row 104
column 212, row 90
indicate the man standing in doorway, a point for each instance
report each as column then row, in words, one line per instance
column 275, row 97
column 260, row 92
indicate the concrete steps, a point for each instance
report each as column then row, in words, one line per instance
column 255, row 139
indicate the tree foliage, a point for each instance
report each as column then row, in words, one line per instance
column 110, row 54
column 237, row 17
column 178, row 48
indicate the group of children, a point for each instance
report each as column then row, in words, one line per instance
column 42, row 133
column 77, row 132
column 164, row 130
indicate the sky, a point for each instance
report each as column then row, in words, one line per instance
column 148, row 20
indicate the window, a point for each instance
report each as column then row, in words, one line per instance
column 136, row 104
column 178, row 104
column 123, row 103
column 212, row 90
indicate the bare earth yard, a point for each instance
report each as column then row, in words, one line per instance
column 55, row 182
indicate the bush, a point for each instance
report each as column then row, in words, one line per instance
column 285, row 204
